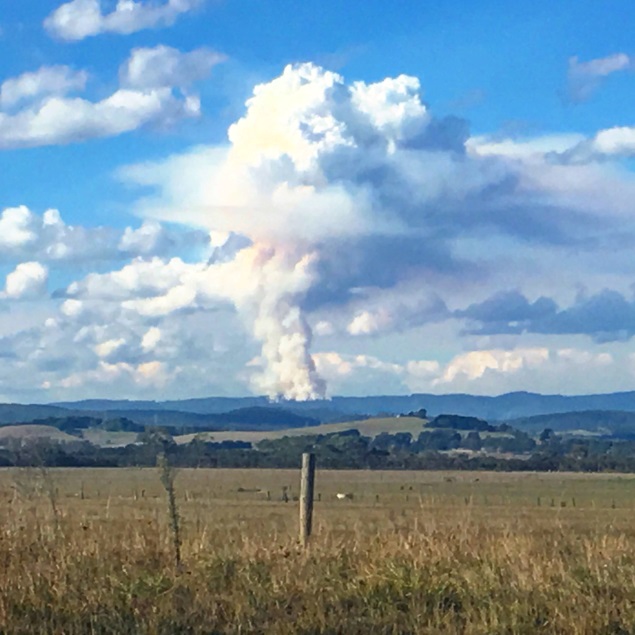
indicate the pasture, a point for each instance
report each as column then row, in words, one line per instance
column 91, row 551
column 366, row 427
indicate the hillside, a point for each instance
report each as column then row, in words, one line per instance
column 367, row 427
column 257, row 413
column 21, row 413
column 603, row 422
column 31, row 432
column 500, row 408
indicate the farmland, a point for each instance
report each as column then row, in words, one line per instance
column 436, row 552
column 369, row 427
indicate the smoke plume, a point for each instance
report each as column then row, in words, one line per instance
column 317, row 172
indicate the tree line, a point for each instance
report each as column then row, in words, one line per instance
column 511, row 450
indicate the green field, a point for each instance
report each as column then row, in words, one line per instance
column 91, row 551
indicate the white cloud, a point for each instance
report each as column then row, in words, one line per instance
column 60, row 121
column 585, row 77
column 150, row 238
column 475, row 364
column 148, row 374
column 601, row 66
column 80, row 19
column 177, row 298
column 332, row 364
column 147, row 97
column 25, row 234
column 48, row 80
column 423, row 370
column 16, row 227
column 366, row 323
column 163, row 66
column 619, row 140
column 105, row 349
column 28, row 280
column 137, row 279
column 393, row 107
column 347, row 206
column 324, row 328
column 487, row 371
column 151, row 338
column 364, row 182
column 527, row 149
column 94, row 346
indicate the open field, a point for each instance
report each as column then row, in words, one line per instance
column 366, row 427
column 412, row 552
column 104, row 438
column 32, row 431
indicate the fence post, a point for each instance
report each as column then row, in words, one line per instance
column 307, row 483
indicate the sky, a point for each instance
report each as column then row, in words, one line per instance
column 308, row 199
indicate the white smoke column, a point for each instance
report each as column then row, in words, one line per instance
column 313, row 166
column 272, row 187
column 276, row 281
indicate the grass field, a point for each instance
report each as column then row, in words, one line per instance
column 86, row 551
column 366, row 427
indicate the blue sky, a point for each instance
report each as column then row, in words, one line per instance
column 418, row 196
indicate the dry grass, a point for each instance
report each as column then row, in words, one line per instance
column 366, row 427
column 91, row 551
column 33, row 431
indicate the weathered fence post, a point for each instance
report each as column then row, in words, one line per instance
column 307, row 483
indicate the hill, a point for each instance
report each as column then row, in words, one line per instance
column 500, row 408
column 22, row 413
column 32, row 432
column 368, row 427
column 602, row 422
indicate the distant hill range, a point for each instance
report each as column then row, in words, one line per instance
column 501, row 408
column 608, row 423
column 527, row 411
column 133, row 420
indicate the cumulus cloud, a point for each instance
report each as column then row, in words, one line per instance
column 526, row 149
column 28, row 280
column 96, row 346
column 150, row 95
column 400, row 308
column 609, row 143
column 483, row 371
column 147, row 374
column 475, row 364
column 164, row 66
column 584, row 78
column 23, row 233
column 348, row 206
column 16, row 227
column 80, row 19
column 47, row 81
column 605, row 316
column 150, row 238
column 306, row 171
column 60, row 121
column 364, row 183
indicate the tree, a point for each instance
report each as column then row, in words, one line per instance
column 472, row 441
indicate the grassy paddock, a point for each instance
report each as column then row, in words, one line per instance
column 86, row 551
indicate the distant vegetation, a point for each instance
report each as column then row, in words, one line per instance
column 275, row 437
column 446, row 442
column 600, row 422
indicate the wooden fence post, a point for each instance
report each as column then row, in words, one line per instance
column 307, row 483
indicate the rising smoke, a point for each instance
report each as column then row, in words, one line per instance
column 315, row 170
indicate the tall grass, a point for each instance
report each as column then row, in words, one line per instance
column 418, row 571
column 168, row 475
